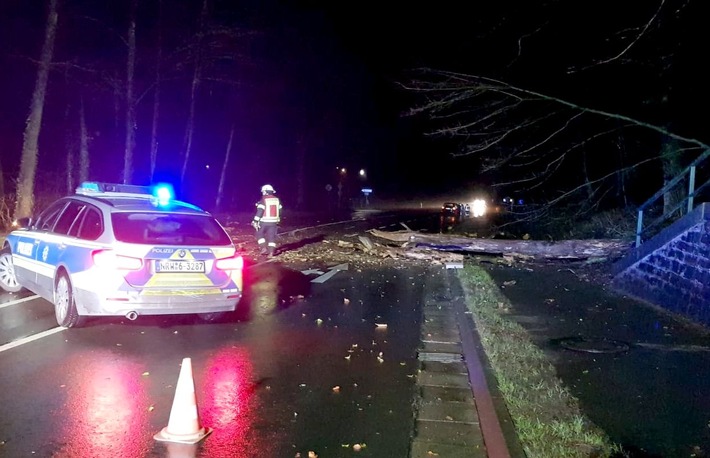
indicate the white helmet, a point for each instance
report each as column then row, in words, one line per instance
column 267, row 188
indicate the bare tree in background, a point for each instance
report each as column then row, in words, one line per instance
column 671, row 161
column 195, row 86
column 223, row 175
column 130, row 99
column 83, row 145
column 301, row 175
column 509, row 126
column 2, row 182
column 70, row 148
column 30, row 151
column 70, row 170
column 544, row 136
column 156, row 95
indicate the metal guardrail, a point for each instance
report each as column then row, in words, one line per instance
column 689, row 199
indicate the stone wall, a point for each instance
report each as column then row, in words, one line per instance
column 672, row 270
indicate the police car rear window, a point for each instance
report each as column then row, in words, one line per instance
column 168, row 229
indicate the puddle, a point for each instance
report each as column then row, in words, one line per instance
column 591, row 345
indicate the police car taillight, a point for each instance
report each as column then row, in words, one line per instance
column 236, row 262
column 110, row 260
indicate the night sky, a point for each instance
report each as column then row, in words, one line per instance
column 318, row 79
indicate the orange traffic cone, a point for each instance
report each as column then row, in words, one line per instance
column 184, row 423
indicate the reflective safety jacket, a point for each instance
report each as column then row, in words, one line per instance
column 268, row 209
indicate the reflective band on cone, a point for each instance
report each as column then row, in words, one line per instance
column 184, row 423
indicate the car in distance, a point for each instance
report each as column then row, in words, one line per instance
column 451, row 213
column 451, row 208
column 123, row 250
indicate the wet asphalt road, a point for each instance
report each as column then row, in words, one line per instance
column 106, row 389
column 300, row 367
column 640, row 374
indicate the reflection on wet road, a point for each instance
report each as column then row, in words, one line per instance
column 103, row 399
column 300, row 367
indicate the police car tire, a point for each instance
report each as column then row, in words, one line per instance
column 71, row 318
column 5, row 266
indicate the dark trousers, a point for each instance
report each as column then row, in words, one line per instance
column 266, row 237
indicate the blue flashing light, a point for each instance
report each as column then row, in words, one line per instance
column 161, row 193
column 88, row 186
column 164, row 194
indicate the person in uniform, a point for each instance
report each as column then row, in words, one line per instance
column 267, row 219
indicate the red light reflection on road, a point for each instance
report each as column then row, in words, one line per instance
column 228, row 405
column 106, row 407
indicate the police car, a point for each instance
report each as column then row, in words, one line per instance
column 123, row 250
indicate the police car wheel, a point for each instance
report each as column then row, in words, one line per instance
column 8, row 281
column 64, row 305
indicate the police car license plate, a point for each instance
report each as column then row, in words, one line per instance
column 179, row 266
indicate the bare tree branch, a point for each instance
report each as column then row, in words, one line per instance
column 636, row 39
column 477, row 82
column 531, row 139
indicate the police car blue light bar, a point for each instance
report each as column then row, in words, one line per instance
column 88, row 187
column 162, row 193
column 93, row 187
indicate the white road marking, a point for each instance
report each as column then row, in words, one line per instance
column 18, row 301
column 31, row 338
column 331, row 271
column 312, row 271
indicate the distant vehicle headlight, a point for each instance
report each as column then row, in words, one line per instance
column 478, row 208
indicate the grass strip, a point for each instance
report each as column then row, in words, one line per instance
column 547, row 417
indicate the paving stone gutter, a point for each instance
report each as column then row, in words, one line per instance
column 459, row 410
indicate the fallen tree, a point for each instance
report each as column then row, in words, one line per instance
column 534, row 249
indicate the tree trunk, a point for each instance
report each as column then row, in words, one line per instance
column 587, row 182
column 156, row 97
column 621, row 174
column 2, row 184
column 301, row 175
column 69, row 148
column 130, row 102
column 30, row 153
column 83, row 146
column 223, row 175
column 70, row 170
column 671, row 160
column 564, row 249
column 196, row 80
